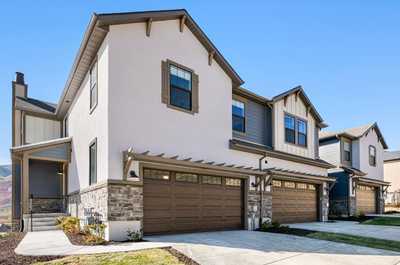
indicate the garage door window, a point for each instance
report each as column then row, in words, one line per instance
column 233, row 182
column 156, row 174
column 290, row 185
column 311, row 187
column 302, row 186
column 186, row 177
column 277, row 183
column 212, row 180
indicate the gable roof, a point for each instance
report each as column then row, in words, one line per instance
column 97, row 30
column 354, row 133
column 391, row 155
column 35, row 105
column 300, row 91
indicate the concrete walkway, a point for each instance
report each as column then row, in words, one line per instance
column 354, row 228
column 56, row 243
column 259, row 248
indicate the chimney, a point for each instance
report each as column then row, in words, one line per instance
column 20, row 89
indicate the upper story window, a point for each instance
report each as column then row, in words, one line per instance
column 347, row 151
column 301, row 132
column 295, row 130
column 180, row 88
column 372, row 156
column 93, row 163
column 238, row 116
column 290, row 131
column 93, row 86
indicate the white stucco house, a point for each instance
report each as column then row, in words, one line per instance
column 155, row 133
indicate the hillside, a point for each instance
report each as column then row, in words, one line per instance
column 5, row 193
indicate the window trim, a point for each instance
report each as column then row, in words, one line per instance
column 296, row 140
column 343, row 151
column 369, row 155
column 166, row 87
column 92, row 143
column 236, row 98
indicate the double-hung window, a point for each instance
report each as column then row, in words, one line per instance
column 372, row 156
column 290, row 130
column 238, row 116
column 295, row 130
column 93, row 86
column 93, row 163
column 301, row 132
column 347, row 151
column 180, row 88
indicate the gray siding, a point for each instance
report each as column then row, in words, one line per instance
column 59, row 152
column 258, row 124
column 44, row 180
column 330, row 151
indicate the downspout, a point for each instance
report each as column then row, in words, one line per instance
column 261, row 186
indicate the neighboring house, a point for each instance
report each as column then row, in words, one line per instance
column 392, row 174
column 154, row 132
column 358, row 156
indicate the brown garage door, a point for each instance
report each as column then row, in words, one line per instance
column 294, row 202
column 366, row 199
column 184, row 202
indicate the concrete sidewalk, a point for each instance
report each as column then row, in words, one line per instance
column 56, row 243
column 354, row 228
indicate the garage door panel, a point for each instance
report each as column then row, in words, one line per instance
column 292, row 205
column 190, row 206
column 366, row 199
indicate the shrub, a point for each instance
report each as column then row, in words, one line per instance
column 94, row 239
column 95, row 230
column 134, row 236
column 69, row 224
column 275, row 224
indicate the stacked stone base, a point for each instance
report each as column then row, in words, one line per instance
column 253, row 209
column 118, row 205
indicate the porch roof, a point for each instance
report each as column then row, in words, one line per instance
column 299, row 175
column 353, row 171
column 57, row 150
column 373, row 182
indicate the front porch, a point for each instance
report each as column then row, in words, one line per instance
column 42, row 182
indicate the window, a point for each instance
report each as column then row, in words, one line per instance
column 180, row 88
column 93, row 163
column 238, row 118
column 311, row 187
column 186, row 177
column 233, row 182
column 301, row 132
column 302, row 186
column 372, row 156
column 290, row 134
column 290, row 185
column 156, row 174
column 295, row 130
column 347, row 151
column 277, row 183
column 212, row 180
column 93, row 86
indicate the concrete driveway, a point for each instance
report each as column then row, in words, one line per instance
column 248, row 247
column 354, row 228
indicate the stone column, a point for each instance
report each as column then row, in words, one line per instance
column 324, row 202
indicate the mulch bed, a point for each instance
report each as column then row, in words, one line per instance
column 8, row 256
column 181, row 257
column 79, row 240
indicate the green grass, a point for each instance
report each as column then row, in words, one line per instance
column 391, row 221
column 143, row 257
column 340, row 238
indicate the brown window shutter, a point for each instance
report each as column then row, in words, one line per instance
column 164, row 83
column 195, row 93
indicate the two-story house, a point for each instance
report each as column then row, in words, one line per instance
column 154, row 133
column 391, row 165
column 357, row 154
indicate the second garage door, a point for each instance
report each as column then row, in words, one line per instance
column 366, row 199
column 294, row 202
column 177, row 202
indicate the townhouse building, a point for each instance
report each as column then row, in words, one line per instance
column 155, row 133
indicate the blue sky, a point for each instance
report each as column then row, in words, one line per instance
column 345, row 54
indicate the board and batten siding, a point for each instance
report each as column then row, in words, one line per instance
column 39, row 129
column 296, row 108
column 258, row 123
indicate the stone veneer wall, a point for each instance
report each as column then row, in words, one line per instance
column 352, row 205
column 324, row 202
column 253, row 208
column 113, row 202
column 380, row 209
